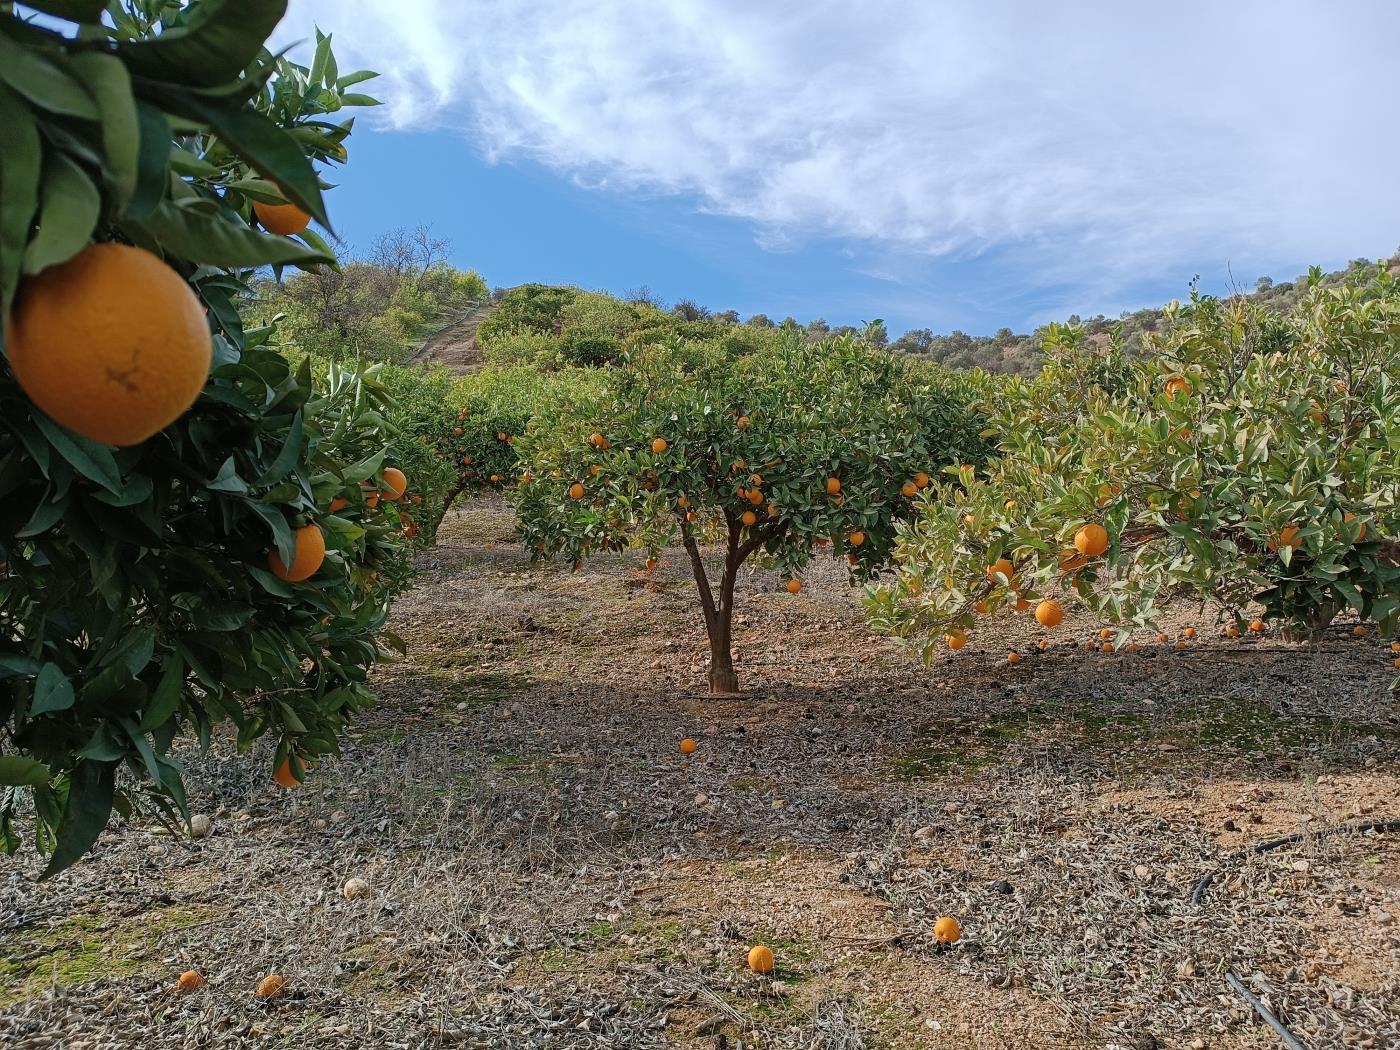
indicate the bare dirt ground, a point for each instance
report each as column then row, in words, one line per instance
column 545, row 869
column 455, row 347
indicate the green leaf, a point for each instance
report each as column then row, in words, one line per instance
column 166, row 698
column 20, row 162
column 317, row 75
column 43, row 82
column 186, row 231
column 66, row 217
column 106, row 79
column 18, row 771
column 52, row 691
column 358, row 77
column 85, row 815
column 152, row 161
column 220, row 40
column 288, row 457
column 257, row 139
column 92, row 460
column 73, row 10
column 360, row 100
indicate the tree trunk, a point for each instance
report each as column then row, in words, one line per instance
column 723, row 677
column 447, row 505
column 1319, row 618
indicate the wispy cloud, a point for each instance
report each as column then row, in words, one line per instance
column 1085, row 141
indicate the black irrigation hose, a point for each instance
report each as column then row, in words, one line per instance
column 1289, row 1039
column 1198, row 894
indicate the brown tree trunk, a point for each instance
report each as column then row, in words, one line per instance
column 723, row 678
column 447, row 505
column 1318, row 620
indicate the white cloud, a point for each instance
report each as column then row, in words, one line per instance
column 1088, row 140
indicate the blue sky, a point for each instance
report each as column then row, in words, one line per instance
column 951, row 165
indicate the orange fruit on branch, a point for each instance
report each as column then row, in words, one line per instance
column 659, row 445
column 395, row 482
column 113, row 344
column 339, row 503
column 1178, row 385
column 1002, row 567
column 285, row 775
column 310, row 553
column 1091, row 540
column 956, row 639
column 921, row 479
column 749, row 518
column 856, row 538
column 1049, row 613
column 833, row 486
column 281, row 219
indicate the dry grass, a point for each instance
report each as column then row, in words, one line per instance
column 545, row 868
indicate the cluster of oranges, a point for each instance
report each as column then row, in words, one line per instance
column 268, row 987
column 310, row 541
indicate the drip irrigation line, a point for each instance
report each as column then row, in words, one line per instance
column 1198, row 893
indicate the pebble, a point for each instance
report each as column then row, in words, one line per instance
column 200, row 826
column 354, row 889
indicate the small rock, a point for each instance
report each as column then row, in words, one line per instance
column 1143, row 872
column 354, row 889
column 1301, row 865
column 200, row 826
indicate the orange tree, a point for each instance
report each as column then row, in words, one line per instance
column 1252, row 461
column 192, row 530
column 779, row 454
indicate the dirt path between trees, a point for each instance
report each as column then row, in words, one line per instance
column 454, row 347
column 545, row 869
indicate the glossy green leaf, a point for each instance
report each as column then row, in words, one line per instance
column 107, row 81
column 187, row 230
column 85, row 813
column 215, row 45
column 18, row 771
column 43, row 82
column 20, row 164
column 67, row 214
column 52, row 691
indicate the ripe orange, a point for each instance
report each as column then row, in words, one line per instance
column 269, row 986
column 947, row 930
column 310, row 553
column 659, row 445
column 742, row 422
column 596, row 440
column 1163, row 638
column 1091, row 539
column 1257, row 626
column 851, row 559
column 1013, row 658
column 1359, row 631
column 1395, row 662
column 1105, row 632
column 394, row 483
column 1000, row 567
column 749, row 518
column 688, row 746
column 1395, row 647
column 761, row 959
column 1232, row 631
column 856, row 538
column 793, row 586
column 1286, row 538
column 921, row 479
column 690, row 515
column 755, row 496
column 190, row 981
column 281, row 219
column 285, row 775
column 956, row 639
column 1010, row 504
column 1181, row 645
column 501, row 435
column 457, row 431
column 1178, row 385
column 651, row 564
column 112, row 344
column 1049, row 613
column 1022, row 603
column 576, row 490
column 1349, row 517
column 339, row 503
column 682, row 502
column 833, row 486
column 909, row 490
column 980, row 607
column 1189, row 632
